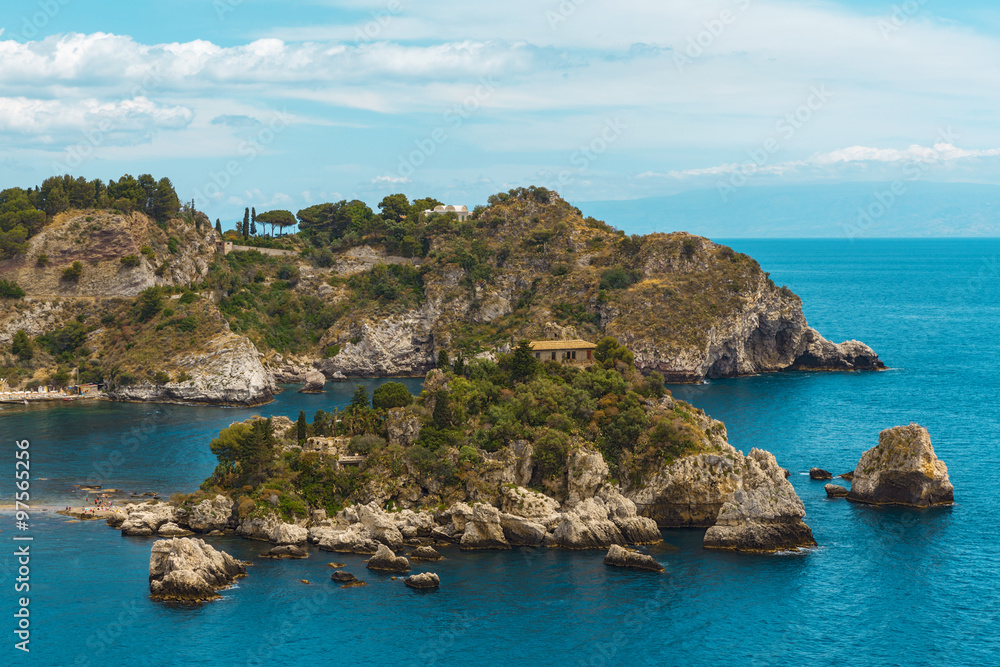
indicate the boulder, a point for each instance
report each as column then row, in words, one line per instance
column 116, row 518
column 764, row 514
column 189, row 570
column 313, row 384
column 460, row 515
column 619, row 556
column 483, row 530
column 380, row 526
column 425, row 553
column 523, row 502
column 337, row 376
column 902, row 470
column 819, row 473
column 354, row 540
column 286, row 551
column 171, row 529
column 521, row 532
column 146, row 519
column 835, row 491
column 847, row 475
column 423, row 580
column 271, row 528
column 386, row 561
column 622, row 511
column 586, row 526
column 343, row 577
column 209, row 515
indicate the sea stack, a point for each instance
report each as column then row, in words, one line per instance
column 188, row 570
column 902, row 470
column 764, row 514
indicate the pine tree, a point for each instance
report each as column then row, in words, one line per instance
column 246, row 223
column 301, row 425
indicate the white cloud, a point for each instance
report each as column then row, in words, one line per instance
column 390, row 179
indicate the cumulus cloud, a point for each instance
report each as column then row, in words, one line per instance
column 390, row 179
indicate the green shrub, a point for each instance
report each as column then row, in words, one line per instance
column 168, row 312
column 42, row 260
column 187, row 297
column 366, row 444
column 148, row 303
column 618, row 278
column 159, row 377
column 72, row 273
column 130, row 261
column 148, row 252
column 469, row 454
column 173, row 245
column 10, row 290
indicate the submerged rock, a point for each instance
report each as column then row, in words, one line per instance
column 619, row 556
column 354, row 584
column 189, row 570
column 764, row 514
column 835, row 491
column 423, row 580
column 819, row 473
column 902, row 470
column 286, row 551
column 386, row 561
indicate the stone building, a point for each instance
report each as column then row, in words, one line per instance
column 565, row 351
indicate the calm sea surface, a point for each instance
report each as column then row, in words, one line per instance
column 885, row 587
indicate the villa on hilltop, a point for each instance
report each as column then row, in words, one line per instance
column 462, row 212
column 567, row 351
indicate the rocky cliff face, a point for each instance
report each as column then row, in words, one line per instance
column 188, row 570
column 902, row 470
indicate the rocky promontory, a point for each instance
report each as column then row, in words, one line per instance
column 188, row 570
column 618, row 556
column 902, row 470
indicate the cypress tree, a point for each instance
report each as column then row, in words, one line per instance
column 246, row 223
column 301, row 425
column 218, row 226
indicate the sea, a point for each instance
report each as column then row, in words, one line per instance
column 885, row 586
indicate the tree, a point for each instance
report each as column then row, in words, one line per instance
column 10, row 290
column 253, row 221
column 22, row 346
column 360, row 399
column 459, row 366
column 149, row 303
column 301, row 426
column 165, row 203
column 72, row 273
column 394, row 207
column 218, row 226
column 246, row 223
column 391, row 395
column 442, row 416
column 521, row 364
column 444, row 363
column 609, row 351
column 279, row 217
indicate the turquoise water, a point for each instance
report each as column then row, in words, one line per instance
column 885, row 587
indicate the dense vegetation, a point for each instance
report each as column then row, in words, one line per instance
column 23, row 212
column 465, row 418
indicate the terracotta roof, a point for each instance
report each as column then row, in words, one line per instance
column 562, row 345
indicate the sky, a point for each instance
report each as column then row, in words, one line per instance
column 288, row 104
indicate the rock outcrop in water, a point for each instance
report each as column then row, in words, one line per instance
column 619, row 556
column 424, row 580
column 764, row 513
column 902, row 470
column 188, row 570
column 386, row 561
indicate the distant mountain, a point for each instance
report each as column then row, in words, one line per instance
column 843, row 210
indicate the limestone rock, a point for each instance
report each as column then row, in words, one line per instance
column 586, row 526
column 355, row 540
column 171, row 529
column 528, row 504
column 483, row 530
column 425, row 553
column 286, row 551
column 401, row 429
column 835, row 491
column 380, row 526
column 819, row 473
column 343, row 577
column 272, row 529
column 587, row 472
column 460, row 516
column 635, row 529
column 619, row 556
column 187, row 569
column 386, row 561
column 902, row 470
column 521, row 532
column 764, row 514
column 423, row 580
column 313, row 383
column 209, row 515
column 146, row 519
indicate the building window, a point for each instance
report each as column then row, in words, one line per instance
column 553, row 356
column 538, row 355
column 588, row 355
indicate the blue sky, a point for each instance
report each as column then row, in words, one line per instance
column 286, row 104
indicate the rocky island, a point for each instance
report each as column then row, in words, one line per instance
column 902, row 470
column 145, row 297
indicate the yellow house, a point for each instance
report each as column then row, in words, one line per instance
column 565, row 351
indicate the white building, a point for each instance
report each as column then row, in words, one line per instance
column 461, row 212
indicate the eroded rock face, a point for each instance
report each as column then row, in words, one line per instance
column 587, row 526
column 483, row 530
column 586, row 472
column 835, row 491
column 355, row 540
column 689, row 492
column 902, row 470
column 401, row 429
column 209, row 515
column 619, row 556
column 425, row 553
column 147, row 519
column 386, row 561
column 764, row 513
column 272, row 529
column 189, row 570
column 380, row 526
